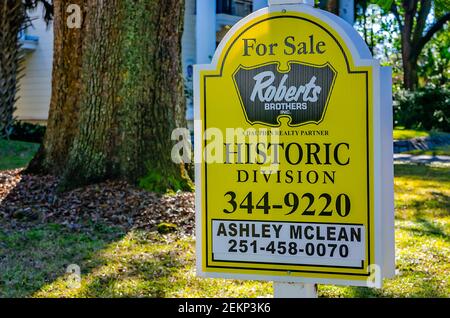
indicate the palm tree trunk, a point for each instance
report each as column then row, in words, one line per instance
column 11, row 20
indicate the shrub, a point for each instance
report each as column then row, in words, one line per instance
column 22, row 131
column 427, row 108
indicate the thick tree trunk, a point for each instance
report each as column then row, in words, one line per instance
column 132, row 95
column 11, row 20
column 92, row 156
column 65, row 101
column 153, row 93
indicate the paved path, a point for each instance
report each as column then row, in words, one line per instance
column 423, row 159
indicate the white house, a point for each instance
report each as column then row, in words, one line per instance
column 206, row 23
column 36, row 85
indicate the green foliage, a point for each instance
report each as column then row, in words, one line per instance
column 156, row 182
column 378, row 26
column 166, row 228
column 384, row 4
column 380, row 31
column 404, row 134
column 16, row 154
column 434, row 64
column 427, row 109
column 441, row 7
column 22, row 131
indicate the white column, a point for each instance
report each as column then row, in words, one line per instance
column 259, row 4
column 205, row 31
column 347, row 11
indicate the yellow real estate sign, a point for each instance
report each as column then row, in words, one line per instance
column 287, row 137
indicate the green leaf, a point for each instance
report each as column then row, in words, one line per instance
column 384, row 4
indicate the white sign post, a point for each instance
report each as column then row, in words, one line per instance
column 293, row 290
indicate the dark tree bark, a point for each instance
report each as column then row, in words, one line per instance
column 413, row 35
column 117, row 95
column 62, row 124
column 12, row 17
column 131, row 96
column 153, row 93
column 91, row 157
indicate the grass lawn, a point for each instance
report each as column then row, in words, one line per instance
column 142, row 264
column 404, row 134
column 438, row 151
column 16, row 154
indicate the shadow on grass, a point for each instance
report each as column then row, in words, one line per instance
column 139, row 278
column 422, row 172
column 34, row 257
column 436, row 206
column 16, row 154
column 439, row 201
column 35, row 254
column 429, row 229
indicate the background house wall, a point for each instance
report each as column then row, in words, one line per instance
column 35, row 86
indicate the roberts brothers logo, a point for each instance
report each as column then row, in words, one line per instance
column 302, row 93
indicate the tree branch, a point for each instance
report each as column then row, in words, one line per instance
column 394, row 10
column 425, row 8
column 430, row 33
column 47, row 7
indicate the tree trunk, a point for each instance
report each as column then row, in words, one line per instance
column 409, row 65
column 410, row 77
column 65, row 101
column 91, row 157
column 11, row 20
column 413, row 39
column 131, row 97
column 153, row 92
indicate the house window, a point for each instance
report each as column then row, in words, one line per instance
column 239, row 8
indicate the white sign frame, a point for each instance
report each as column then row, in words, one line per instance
column 383, row 157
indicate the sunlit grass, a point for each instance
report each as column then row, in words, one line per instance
column 35, row 258
column 403, row 134
column 143, row 264
column 422, row 237
column 150, row 265
column 438, row 151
